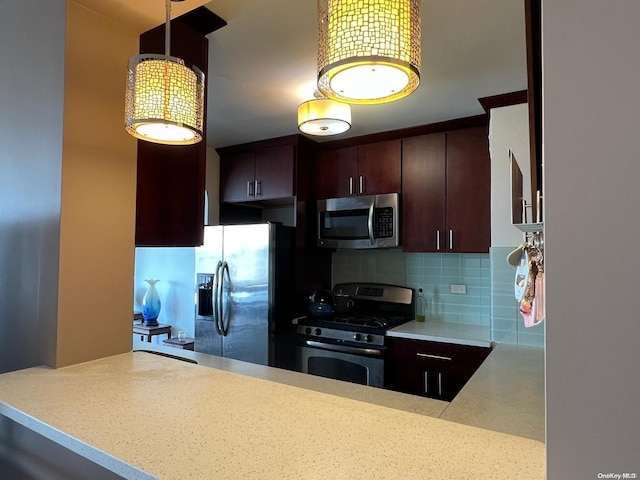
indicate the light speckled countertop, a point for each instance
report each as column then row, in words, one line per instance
column 463, row 334
column 114, row 411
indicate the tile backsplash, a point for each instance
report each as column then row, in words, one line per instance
column 434, row 271
column 488, row 279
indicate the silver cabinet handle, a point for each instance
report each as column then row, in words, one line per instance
column 249, row 188
column 426, row 382
column 361, row 184
column 438, row 240
column 258, row 187
column 450, row 239
column 435, row 357
column 350, row 185
column 439, row 383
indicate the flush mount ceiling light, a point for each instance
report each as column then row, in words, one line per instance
column 165, row 97
column 368, row 50
column 323, row 117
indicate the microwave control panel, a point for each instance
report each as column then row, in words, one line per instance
column 383, row 224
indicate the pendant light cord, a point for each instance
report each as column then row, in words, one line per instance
column 167, row 28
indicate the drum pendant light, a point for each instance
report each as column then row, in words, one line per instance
column 165, row 97
column 323, row 117
column 368, row 50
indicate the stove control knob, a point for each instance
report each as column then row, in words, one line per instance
column 317, row 331
column 357, row 337
column 308, row 331
column 368, row 338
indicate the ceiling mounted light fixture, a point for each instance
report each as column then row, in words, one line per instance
column 165, row 97
column 368, row 50
column 323, row 117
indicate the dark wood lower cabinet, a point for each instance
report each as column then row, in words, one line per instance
column 430, row 369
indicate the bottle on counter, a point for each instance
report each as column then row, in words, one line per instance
column 421, row 306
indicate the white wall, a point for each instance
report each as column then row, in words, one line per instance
column 508, row 130
column 32, row 48
column 591, row 66
column 175, row 268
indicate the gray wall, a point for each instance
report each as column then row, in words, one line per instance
column 591, row 66
column 32, row 48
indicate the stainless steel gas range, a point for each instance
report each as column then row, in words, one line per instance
column 351, row 346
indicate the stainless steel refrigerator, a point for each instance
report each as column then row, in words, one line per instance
column 244, row 281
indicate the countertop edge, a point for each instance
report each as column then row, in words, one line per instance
column 91, row 453
column 441, row 339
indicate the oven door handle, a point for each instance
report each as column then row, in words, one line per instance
column 372, row 352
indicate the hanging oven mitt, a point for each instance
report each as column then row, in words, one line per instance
column 540, row 305
column 528, row 304
column 522, row 274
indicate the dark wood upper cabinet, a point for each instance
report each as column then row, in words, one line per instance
column 468, row 191
column 369, row 169
column 424, row 174
column 446, row 188
column 379, row 167
column 258, row 172
column 336, row 172
column 171, row 178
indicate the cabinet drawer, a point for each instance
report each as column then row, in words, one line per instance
column 424, row 351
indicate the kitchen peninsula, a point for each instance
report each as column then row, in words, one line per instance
column 146, row 416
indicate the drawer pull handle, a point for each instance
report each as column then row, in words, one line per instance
column 435, row 357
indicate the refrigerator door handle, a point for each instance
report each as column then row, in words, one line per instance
column 216, row 298
column 225, row 278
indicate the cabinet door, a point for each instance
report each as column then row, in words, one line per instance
column 336, row 172
column 468, row 191
column 274, row 172
column 432, row 369
column 423, row 193
column 237, row 173
column 379, row 168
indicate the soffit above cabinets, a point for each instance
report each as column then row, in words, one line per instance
column 139, row 15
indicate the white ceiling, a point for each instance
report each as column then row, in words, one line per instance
column 262, row 64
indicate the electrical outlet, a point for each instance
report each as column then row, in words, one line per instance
column 459, row 289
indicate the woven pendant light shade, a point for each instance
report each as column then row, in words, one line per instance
column 165, row 100
column 368, row 50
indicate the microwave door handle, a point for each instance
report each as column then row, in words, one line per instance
column 370, row 224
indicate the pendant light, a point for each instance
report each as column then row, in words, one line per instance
column 165, row 96
column 323, row 117
column 368, row 50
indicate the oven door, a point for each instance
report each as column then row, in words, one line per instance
column 342, row 362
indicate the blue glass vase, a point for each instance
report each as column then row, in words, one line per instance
column 151, row 304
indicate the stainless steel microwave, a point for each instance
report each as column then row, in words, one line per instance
column 368, row 221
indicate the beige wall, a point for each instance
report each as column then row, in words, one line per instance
column 98, row 192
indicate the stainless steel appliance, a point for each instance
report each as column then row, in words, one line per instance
column 368, row 221
column 351, row 347
column 244, row 278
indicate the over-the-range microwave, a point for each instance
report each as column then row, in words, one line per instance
column 368, row 221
